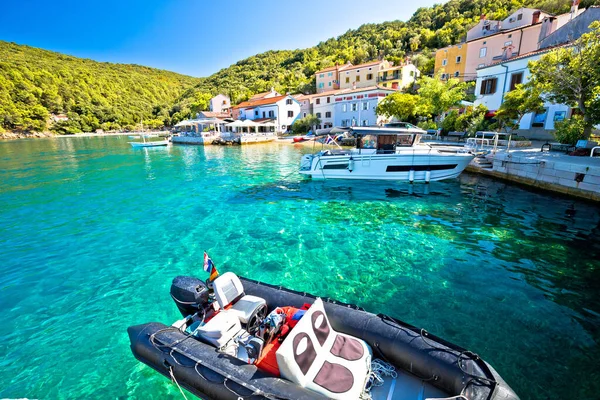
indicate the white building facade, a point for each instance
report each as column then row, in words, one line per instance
column 349, row 107
column 220, row 103
column 494, row 81
column 283, row 110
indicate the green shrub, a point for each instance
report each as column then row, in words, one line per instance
column 570, row 130
column 449, row 122
column 428, row 124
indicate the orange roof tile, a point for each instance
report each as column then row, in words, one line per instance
column 259, row 102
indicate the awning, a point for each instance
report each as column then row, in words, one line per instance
column 242, row 124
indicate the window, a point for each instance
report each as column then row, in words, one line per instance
column 303, row 115
column 458, row 59
column 444, row 62
column 321, row 85
column 484, row 43
column 444, row 76
column 344, row 123
column 515, row 79
column 264, row 114
column 329, row 83
column 329, row 100
column 369, row 68
column 482, row 52
column 459, row 46
column 369, row 77
column 385, row 85
column 519, row 17
column 289, row 102
column 328, row 114
column 481, row 65
column 344, row 107
column 224, row 102
column 318, row 101
column 290, row 114
column 508, row 43
column 347, row 79
column 318, row 115
column 509, row 36
column 366, row 105
column 539, row 119
column 330, row 74
column 488, row 86
column 456, row 74
column 357, row 71
column 271, row 114
column 354, row 107
column 322, row 76
column 357, row 78
column 256, row 113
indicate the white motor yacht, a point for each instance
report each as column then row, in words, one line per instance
column 386, row 153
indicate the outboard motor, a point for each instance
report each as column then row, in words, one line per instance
column 190, row 294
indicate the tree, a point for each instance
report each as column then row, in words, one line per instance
column 403, row 106
column 201, row 102
column 523, row 99
column 305, row 124
column 571, row 75
column 438, row 96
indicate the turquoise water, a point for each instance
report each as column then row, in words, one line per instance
column 92, row 232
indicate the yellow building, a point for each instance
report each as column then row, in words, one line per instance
column 450, row 61
column 398, row 77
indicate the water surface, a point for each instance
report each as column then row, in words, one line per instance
column 92, row 232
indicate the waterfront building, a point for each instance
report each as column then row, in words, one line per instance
column 281, row 110
column 496, row 79
column 306, row 105
column 399, row 77
column 362, row 75
column 450, row 61
column 328, row 79
column 220, row 103
column 490, row 41
column 349, row 107
column 265, row 95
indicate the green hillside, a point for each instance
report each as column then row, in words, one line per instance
column 428, row 29
column 35, row 83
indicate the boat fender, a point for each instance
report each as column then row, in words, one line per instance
column 411, row 175
column 427, row 176
column 350, row 164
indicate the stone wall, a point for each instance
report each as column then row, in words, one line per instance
column 576, row 176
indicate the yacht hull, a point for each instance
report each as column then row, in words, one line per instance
column 395, row 167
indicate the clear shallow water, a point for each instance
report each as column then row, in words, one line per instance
column 92, row 232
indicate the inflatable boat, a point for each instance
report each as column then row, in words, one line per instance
column 243, row 339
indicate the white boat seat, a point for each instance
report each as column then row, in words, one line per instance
column 229, row 291
column 316, row 357
column 220, row 329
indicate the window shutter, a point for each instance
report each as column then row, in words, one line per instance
column 493, row 88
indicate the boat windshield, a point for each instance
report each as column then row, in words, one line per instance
column 386, row 143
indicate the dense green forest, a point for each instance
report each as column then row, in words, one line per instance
column 35, row 83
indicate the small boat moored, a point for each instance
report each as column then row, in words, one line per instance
column 385, row 153
column 247, row 339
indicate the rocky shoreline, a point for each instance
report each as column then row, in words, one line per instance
column 25, row 135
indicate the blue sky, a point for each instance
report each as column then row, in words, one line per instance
column 194, row 37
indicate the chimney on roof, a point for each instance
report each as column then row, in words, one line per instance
column 272, row 89
column 482, row 17
column 536, row 17
column 574, row 8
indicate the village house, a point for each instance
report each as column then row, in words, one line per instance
column 451, row 61
column 281, row 110
column 220, row 103
column 349, row 107
column 490, row 41
column 499, row 78
column 399, row 77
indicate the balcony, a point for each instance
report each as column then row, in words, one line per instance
column 391, row 77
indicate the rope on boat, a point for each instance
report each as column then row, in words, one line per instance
column 379, row 369
column 177, row 383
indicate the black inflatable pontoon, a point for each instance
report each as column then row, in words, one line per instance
column 427, row 366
